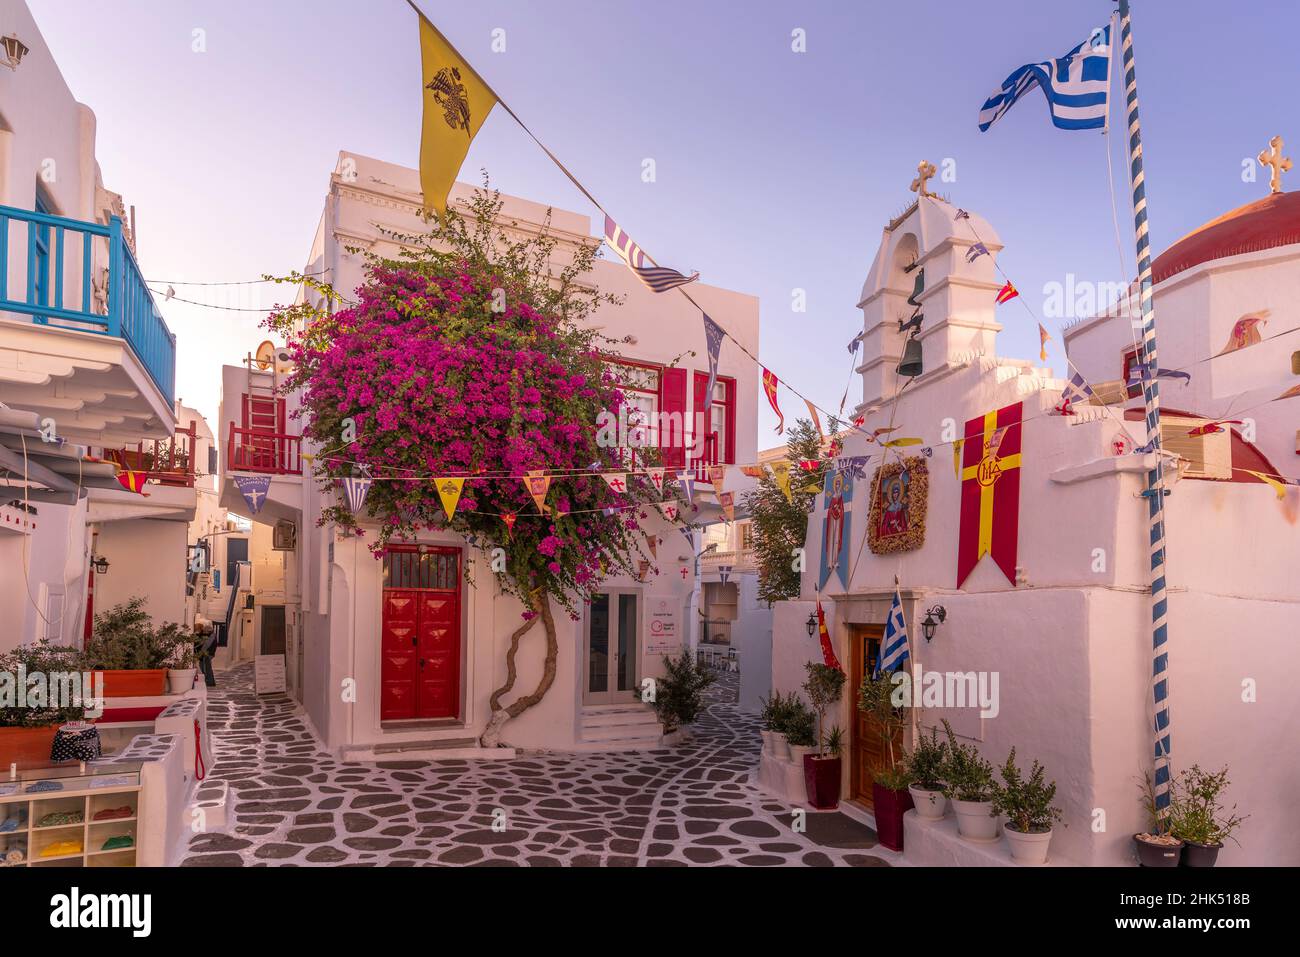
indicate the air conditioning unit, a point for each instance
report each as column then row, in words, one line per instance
column 1209, row 456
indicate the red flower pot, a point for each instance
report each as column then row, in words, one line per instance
column 142, row 683
column 890, row 806
column 822, row 777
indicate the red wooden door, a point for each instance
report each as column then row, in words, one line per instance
column 420, row 641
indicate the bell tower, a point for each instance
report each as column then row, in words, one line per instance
column 929, row 298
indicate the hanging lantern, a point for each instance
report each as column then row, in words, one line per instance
column 14, row 49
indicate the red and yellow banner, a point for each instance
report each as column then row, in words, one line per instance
column 990, row 492
column 770, row 383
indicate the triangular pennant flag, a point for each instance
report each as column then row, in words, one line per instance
column 828, row 650
column 253, row 488
column 713, row 336
column 509, row 518
column 724, row 573
column 898, row 443
column 816, row 419
column 654, row 278
column 1007, row 292
column 355, row 488
column 669, row 510
column 1269, row 480
column 135, row 481
column 656, row 476
column 717, row 476
column 456, row 102
column 617, row 481
column 1245, row 331
column 537, row 483
column 687, row 482
column 1290, row 393
column 449, row 490
column 976, row 251
column 728, row 502
column 753, row 471
column 781, row 476
column 956, row 458
column 1043, row 338
column 770, row 382
column 652, row 543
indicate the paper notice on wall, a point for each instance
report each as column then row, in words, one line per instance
column 268, row 674
column 665, row 638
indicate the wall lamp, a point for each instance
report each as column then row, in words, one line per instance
column 100, row 564
column 14, row 49
column 934, row 617
column 812, row 624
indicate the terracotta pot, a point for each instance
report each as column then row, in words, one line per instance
column 26, row 745
column 930, row 805
column 822, row 777
column 134, row 684
column 1028, row 848
column 890, row 806
column 1158, row 855
column 1200, row 855
column 974, row 821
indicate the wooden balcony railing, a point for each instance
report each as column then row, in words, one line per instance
column 170, row 461
column 253, row 450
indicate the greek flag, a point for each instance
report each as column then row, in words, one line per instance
column 654, row 278
column 1076, row 86
column 893, row 647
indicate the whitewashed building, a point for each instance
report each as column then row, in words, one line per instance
column 335, row 599
column 1066, row 629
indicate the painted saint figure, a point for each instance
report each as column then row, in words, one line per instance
column 894, row 518
column 833, row 532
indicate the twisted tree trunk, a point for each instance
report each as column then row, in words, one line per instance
column 491, row 737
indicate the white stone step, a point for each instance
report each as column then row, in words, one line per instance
column 619, row 717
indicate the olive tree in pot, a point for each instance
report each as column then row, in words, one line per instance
column 890, row 798
column 800, row 729
column 1156, row 846
column 773, row 715
column 925, row 762
column 1027, row 804
column 968, row 783
column 822, row 771
column 1198, row 818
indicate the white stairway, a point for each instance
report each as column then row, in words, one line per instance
column 617, row 727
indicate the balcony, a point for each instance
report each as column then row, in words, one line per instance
column 169, row 461
column 73, row 277
column 256, row 450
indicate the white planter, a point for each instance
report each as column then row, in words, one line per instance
column 930, row 805
column 180, row 680
column 974, row 822
column 767, row 742
column 780, row 746
column 1028, row 848
column 797, row 752
column 672, row 738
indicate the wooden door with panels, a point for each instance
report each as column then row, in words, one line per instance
column 867, row 751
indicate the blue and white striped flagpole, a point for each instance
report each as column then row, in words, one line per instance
column 1155, row 491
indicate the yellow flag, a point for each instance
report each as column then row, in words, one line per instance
column 781, row 476
column 899, row 443
column 456, row 102
column 449, row 490
column 1277, row 486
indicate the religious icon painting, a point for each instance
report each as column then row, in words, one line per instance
column 899, row 496
column 838, row 505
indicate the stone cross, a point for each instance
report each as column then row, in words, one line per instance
column 1280, row 164
column 924, row 170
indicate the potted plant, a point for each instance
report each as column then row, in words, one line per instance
column 679, row 693
column 27, row 728
column 184, row 661
column 780, row 721
column 770, row 713
column 968, row 783
column 1156, row 846
column 823, row 770
column 890, row 798
column 1198, row 818
column 925, row 762
column 132, row 655
column 800, row 730
column 1027, row 804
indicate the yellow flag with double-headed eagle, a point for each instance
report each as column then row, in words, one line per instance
column 456, row 102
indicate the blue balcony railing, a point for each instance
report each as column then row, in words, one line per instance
column 60, row 289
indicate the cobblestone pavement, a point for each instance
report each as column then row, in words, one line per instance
column 292, row 803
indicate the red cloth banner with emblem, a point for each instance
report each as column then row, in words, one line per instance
column 990, row 492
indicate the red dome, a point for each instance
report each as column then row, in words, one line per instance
column 1264, row 224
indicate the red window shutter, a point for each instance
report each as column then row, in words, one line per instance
column 672, row 407
column 730, row 442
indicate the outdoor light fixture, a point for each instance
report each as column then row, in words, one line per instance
column 15, row 50
column 812, row 624
column 100, row 564
column 934, row 617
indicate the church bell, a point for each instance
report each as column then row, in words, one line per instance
column 917, row 289
column 911, row 364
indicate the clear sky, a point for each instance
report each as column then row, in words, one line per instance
column 776, row 170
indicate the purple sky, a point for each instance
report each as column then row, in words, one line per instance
column 776, row 170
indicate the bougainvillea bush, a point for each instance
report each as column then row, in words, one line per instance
column 468, row 358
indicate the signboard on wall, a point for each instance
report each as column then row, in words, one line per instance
column 664, row 637
column 268, row 674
